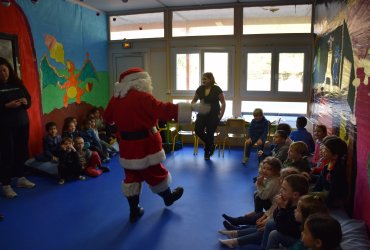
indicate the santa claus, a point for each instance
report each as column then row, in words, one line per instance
column 135, row 112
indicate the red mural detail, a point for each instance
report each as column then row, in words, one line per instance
column 14, row 22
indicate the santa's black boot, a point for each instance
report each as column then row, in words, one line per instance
column 135, row 210
column 170, row 197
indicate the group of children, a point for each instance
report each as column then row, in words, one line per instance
column 78, row 152
column 294, row 193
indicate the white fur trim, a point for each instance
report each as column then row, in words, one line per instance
column 150, row 160
column 140, row 81
column 163, row 185
column 184, row 113
column 131, row 189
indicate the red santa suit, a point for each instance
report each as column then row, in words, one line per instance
column 135, row 112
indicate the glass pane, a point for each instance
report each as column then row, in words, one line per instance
column 291, row 66
column 259, row 71
column 203, row 22
column 187, row 71
column 149, row 25
column 277, row 19
column 219, row 69
column 285, row 112
column 228, row 111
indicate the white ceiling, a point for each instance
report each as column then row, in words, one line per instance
column 109, row 6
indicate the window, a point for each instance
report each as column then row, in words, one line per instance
column 9, row 51
column 149, row 25
column 203, row 22
column 276, row 72
column 285, row 112
column 277, row 19
column 228, row 111
column 192, row 63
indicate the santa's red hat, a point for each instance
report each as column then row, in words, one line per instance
column 133, row 78
column 130, row 71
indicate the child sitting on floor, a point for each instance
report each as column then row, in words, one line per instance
column 267, row 184
column 293, row 187
column 321, row 232
column 90, row 160
column 332, row 183
column 280, row 149
column 88, row 134
column 320, row 133
column 252, row 218
column 297, row 157
column 69, row 162
column 51, row 144
column 301, row 134
column 70, row 128
column 307, row 205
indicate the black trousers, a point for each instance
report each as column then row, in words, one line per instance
column 205, row 127
column 260, row 205
column 13, row 152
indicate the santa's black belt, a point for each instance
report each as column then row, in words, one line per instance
column 137, row 135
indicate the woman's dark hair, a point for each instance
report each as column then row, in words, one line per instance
column 13, row 78
column 325, row 228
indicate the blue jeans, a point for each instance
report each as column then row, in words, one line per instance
column 276, row 238
column 269, row 227
column 249, row 236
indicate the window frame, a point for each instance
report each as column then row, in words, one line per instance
column 201, row 50
column 274, row 94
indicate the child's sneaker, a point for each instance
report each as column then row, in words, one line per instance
column 23, row 182
column 105, row 168
column 9, row 192
column 61, row 181
column 81, row 177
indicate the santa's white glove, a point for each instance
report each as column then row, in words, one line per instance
column 201, row 108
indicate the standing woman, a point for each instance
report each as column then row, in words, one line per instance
column 206, row 124
column 14, row 129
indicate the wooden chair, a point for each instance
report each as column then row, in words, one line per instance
column 186, row 130
column 168, row 131
column 272, row 130
column 235, row 129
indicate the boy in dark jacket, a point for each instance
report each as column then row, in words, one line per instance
column 51, row 144
column 69, row 162
column 257, row 132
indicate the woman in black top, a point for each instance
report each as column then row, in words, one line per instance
column 206, row 124
column 14, row 129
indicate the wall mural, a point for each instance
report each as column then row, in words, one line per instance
column 341, row 79
column 71, row 82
